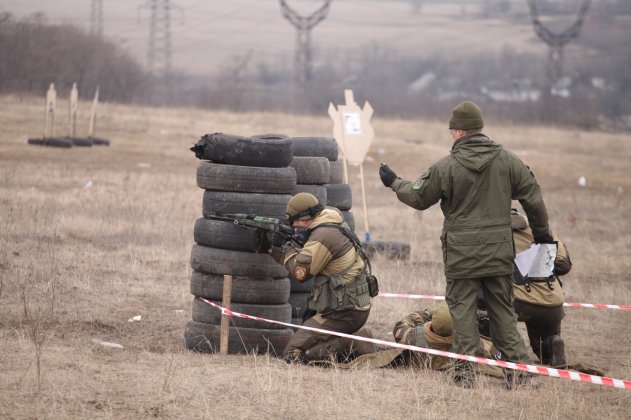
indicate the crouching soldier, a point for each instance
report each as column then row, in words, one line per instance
column 539, row 302
column 341, row 296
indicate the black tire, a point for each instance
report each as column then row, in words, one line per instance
column 244, row 289
column 311, row 169
column 209, row 260
column 246, row 151
column 225, row 235
column 336, row 171
column 52, row 142
column 271, row 205
column 300, row 286
column 206, row 338
column 391, row 250
column 203, row 312
column 270, row 136
column 318, row 190
column 253, row 179
column 81, row 141
column 315, row 146
column 97, row 141
column 339, row 195
column 299, row 303
column 349, row 218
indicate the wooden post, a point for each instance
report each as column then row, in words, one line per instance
column 72, row 112
column 225, row 319
column 92, row 124
column 367, row 230
column 51, row 103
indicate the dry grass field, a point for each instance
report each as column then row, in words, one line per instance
column 90, row 237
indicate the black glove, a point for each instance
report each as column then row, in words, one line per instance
column 276, row 239
column 387, row 175
column 544, row 239
column 278, row 254
column 263, row 243
column 265, row 240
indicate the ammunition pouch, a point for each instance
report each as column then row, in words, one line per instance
column 373, row 285
column 332, row 294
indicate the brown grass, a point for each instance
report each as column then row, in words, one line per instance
column 121, row 248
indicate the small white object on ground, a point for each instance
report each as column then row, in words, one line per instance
column 582, row 181
column 107, row 344
column 135, row 318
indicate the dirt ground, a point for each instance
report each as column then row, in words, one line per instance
column 91, row 237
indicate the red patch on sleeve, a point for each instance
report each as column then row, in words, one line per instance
column 300, row 273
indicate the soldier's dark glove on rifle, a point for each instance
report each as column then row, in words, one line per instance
column 544, row 239
column 278, row 254
column 266, row 240
column 387, row 175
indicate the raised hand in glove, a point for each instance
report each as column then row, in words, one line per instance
column 387, row 175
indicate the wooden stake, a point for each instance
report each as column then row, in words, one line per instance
column 225, row 319
column 93, row 113
column 72, row 112
column 366, row 228
column 51, row 103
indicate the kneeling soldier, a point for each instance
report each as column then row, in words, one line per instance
column 332, row 255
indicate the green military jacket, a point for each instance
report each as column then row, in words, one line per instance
column 475, row 184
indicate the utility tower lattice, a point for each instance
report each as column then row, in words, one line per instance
column 96, row 17
column 304, row 25
column 556, row 41
column 159, row 54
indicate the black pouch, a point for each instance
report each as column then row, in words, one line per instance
column 373, row 285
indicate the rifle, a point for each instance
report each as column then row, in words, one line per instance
column 270, row 231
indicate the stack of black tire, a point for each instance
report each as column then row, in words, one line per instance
column 319, row 172
column 243, row 175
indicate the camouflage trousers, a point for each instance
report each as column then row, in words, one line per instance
column 308, row 345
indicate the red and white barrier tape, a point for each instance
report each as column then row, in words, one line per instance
column 541, row 370
column 569, row 304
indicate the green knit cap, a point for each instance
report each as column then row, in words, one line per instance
column 466, row 116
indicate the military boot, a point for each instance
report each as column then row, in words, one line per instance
column 326, row 350
column 464, row 374
column 517, row 379
column 295, row 356
column 554, row 349
column 363, row 347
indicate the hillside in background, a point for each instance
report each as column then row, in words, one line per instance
column 408, row 58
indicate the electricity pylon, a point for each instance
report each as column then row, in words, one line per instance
column 303, row 54
column 557, row 41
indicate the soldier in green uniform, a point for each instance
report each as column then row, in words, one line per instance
column 475, row 184
column 340, row 296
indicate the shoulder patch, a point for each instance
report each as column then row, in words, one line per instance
column 300, row 273
column 421, row 181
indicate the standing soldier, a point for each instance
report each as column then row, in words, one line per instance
column 475, row 184
column 341, row 296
